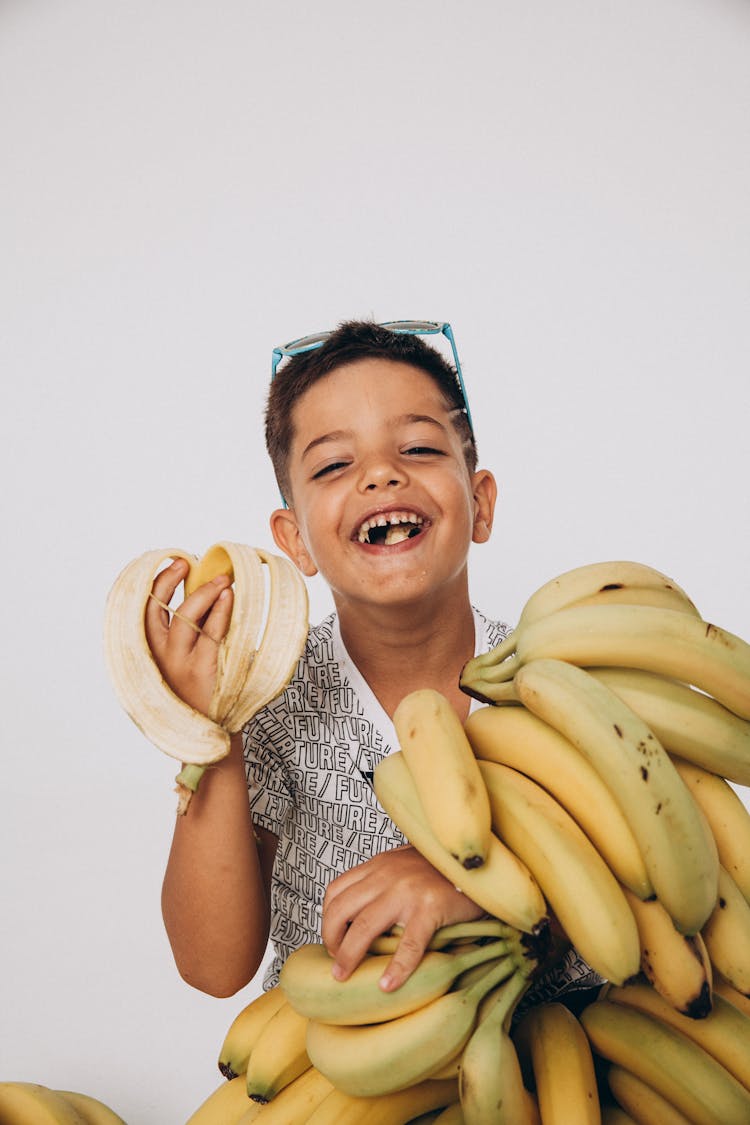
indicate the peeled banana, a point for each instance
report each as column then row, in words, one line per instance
column 256, row 661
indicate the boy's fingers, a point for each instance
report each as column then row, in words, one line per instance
column 341, row 885
column 365, row 926
column 409, row 953
column 217, row 621
column 188, row 620
column 163, row 587
column 339, row 910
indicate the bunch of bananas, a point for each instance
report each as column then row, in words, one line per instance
column 631, row 1057
column 313, row 1049
column 257, row 657
column 30, row 1103
column 590, row 799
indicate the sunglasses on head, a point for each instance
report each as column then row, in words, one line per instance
column 408, row 327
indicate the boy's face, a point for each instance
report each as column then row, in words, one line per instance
column 384, row 504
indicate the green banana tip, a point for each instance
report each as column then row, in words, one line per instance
column 188, row 780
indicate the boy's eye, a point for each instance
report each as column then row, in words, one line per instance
column 329, row 468
column 424, row 449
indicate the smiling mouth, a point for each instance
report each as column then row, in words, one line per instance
column 387, row 530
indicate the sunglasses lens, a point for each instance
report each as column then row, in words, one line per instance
column 305, row 344
column 415, row 326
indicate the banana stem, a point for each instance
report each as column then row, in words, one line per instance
column 504, row 693
column 505, row 1001
column 491, row 979
column 188, row 780
column 490, row 685
column 495, row 655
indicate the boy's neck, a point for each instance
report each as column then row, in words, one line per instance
column 401, row 650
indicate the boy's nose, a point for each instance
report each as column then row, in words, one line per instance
column 381, row 474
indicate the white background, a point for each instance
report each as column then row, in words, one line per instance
column 185, row 184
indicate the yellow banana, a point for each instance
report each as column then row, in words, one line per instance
column 686, row 722
column 380, row 1058
column 312, row 991
column 514, row 737
column 676, row 964
column 580, row 888
column 252, row 670
column 722, row 987
column 451, row 1115
column 31, row 1102
column 490, row 1083
column 279, row 1056
column 441, row 761
column 727, row 934
column 456, row 933
column 616, row 581
column 679, row 852
column 226, row 1105
column 559, row 1057
column 616, row 1115
column 667, row 641
column 502, row 886
column 648, row 1106
column 387, row 1109
column 92, row 1110
column 724, row 1032
column 245, row 1030
column 294, row 1104
column 727, row 816
column 665, row 1059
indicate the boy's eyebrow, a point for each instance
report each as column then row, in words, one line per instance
column 335, row 435
column 340, row 435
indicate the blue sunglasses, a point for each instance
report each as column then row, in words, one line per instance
column 408, row 327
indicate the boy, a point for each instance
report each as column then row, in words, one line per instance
column 374, row 453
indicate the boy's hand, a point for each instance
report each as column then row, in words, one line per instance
column 186, row 647
column 396, row 887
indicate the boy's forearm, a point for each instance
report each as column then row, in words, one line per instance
column 214, row 895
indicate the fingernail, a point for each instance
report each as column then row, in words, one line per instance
column 337, row 972
column 385, row 981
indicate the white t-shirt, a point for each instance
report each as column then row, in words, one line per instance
column 310, row 756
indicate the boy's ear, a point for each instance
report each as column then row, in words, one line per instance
column 288, row 537
column 484, row 488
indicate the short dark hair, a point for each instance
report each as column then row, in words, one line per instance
column 351, row 341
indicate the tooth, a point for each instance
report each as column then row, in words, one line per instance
column 381, row 522
column 396, row 534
